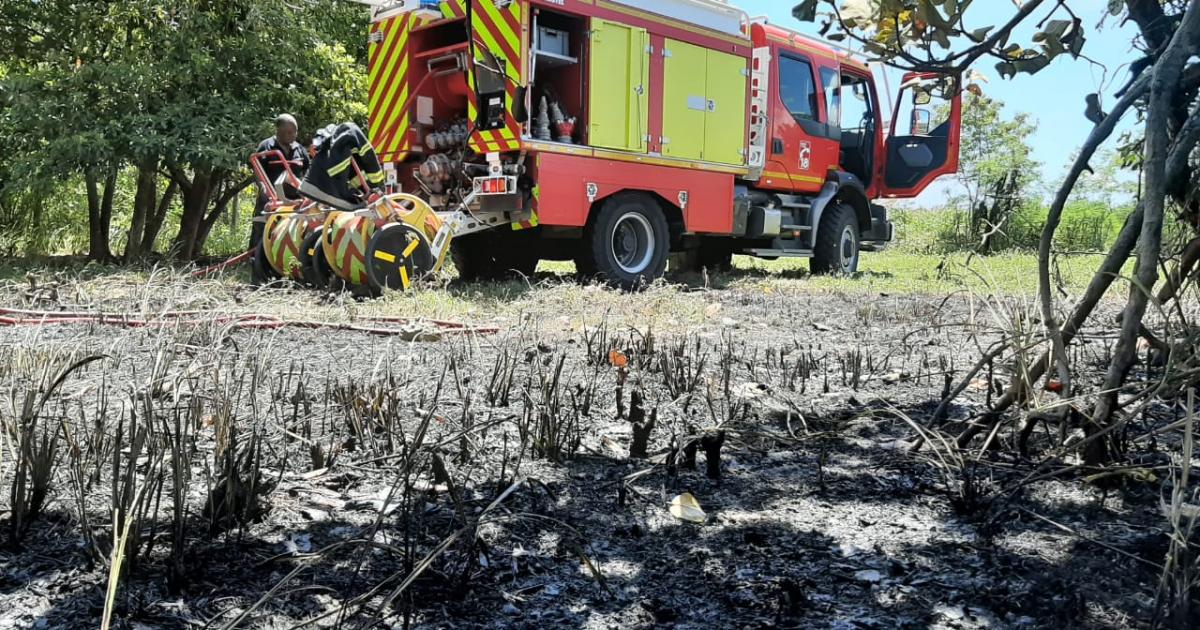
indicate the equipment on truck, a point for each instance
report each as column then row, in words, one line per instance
column 345, row 229
column 615, row 132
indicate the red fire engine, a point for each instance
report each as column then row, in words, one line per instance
column 616, row 132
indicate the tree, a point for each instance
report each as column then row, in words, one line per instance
column 1109, row 182
column 996, row 167
column 181, row 89
column 1163, row 86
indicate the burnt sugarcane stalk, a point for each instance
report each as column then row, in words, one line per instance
column 642, row 428
column 712, row 443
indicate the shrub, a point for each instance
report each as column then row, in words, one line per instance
column 1085, row 226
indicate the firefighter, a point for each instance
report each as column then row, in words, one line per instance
column 332, row 180
column 286, row 131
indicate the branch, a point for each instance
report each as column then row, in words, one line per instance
column 975, row 52
column 1151, row 21
column 1097, row 137
column 178, row 176
column 234, row 191
column 1185, row 141
column 1164, row 88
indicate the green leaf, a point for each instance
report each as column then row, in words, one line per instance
column 980, row 34
column 863, row 10
column 806, row 11
column 1031, row 65
column 1056, row 28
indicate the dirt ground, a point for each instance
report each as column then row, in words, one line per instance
column 823, row 516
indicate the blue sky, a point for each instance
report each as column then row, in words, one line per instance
column 1054, row 96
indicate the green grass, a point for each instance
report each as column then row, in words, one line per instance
column 552, row 299
column 899, row 272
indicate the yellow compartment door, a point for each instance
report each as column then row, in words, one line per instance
column 725, row 120
column 685, row 100
column 619, row 78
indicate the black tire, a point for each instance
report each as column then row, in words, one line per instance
column 838, row 243
column 261, row 271
column 585, row 267
column 310, row 253
column 326, row 279
column 629, row 241
column 397, row 256
column 481, row 257
column 472, row 257
column 714, row 256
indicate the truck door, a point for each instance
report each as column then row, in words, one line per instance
column 924, row 137
column 803, row 144
column 618, row 109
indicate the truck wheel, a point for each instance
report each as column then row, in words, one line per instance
column 517, row 264
column 472, row 257
column 629, row 241
column 517, row 254
column 493, row 257
column 585, row 267
column 714, row 256
column 837, row 247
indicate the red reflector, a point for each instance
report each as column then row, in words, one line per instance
column 492, row 185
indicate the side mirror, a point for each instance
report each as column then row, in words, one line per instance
column 921, row 120
column 921, row 96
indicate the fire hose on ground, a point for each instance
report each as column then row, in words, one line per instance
column 380, row 325
column 232, row 262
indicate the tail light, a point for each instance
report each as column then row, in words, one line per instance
column 497, row 185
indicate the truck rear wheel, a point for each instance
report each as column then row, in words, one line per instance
column 628, row 240
column 715, row 256
column 837, row 247
column 492, row 257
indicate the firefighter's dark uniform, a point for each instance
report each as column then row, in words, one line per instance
column 331, row 180
column 295, row 154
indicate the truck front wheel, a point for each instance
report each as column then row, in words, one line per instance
column 628, row 240
column 837, row 247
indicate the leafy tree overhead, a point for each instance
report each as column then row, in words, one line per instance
column 1164, row 83
column 181, row 91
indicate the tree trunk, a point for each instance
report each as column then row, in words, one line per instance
column 195, row 203
column 1163, row 89
column 155, row 221
column 145, row 201
column 221, row 203
column 1108, row 272
column 1045, row 292
column 99, row 215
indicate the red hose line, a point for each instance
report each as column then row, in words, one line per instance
column 256, row 321
column 178, row 315
column 232, row 262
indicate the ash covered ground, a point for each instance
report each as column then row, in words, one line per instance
column 328, row 478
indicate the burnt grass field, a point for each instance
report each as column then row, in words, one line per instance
column 518, row 473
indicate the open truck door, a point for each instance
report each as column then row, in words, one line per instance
column 923, row 142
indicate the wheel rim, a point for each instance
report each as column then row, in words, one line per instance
column 633, row 243
column 848, row 249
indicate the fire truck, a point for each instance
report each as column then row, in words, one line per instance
column 617, row 133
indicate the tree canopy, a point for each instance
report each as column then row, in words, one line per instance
column 184, row 89
column 1163, row 88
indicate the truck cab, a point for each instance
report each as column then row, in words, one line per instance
column 616, row 132
column 829, row 146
